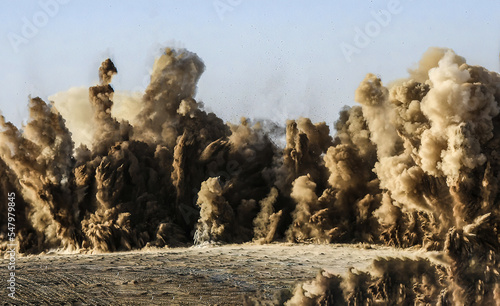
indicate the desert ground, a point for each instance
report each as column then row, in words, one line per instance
column 200, row 275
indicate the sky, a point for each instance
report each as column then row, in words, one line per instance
column 273, row 60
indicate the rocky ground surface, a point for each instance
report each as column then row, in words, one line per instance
column 202, row 275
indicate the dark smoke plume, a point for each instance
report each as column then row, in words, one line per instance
column 416, row 164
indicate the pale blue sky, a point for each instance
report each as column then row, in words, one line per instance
column 264, row 59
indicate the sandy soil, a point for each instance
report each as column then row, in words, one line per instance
column 207, row 275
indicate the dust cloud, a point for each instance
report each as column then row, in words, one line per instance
column 415, row 164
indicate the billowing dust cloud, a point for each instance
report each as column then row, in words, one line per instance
column 416, row 164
